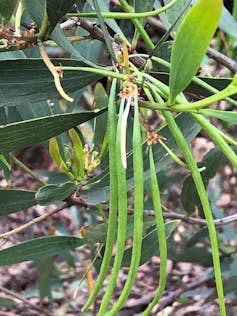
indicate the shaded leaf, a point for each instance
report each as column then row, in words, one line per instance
column 55, row 10
column 21, row 134
column 189, row 196
column 53, row 193
column 6, row 10
column 149, row 244
column 193, row 87
column 94, row 234
column 23, row 81
column 36, row 248
column 36, row 10
column 191, row 43
column 15, row 200
column 177, row 10
column 228, row 23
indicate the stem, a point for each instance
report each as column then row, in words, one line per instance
column 21, row 165
column 197, row 80
column 113, row 198
column 124, row 16
column 228, row 91
column 138, row 25
column 103, row 72
column 205, row 204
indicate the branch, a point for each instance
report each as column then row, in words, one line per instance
column 26, row 301
column 211, row 52
column 169, row 299
column 32, row 222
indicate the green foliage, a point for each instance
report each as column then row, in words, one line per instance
column 6, row 10
column 112, row 158
column 191, row 42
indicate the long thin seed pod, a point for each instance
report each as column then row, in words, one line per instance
column 113, row 197
column 122, row 217
column 160, row 232
column 205, row 204
column 138, row 211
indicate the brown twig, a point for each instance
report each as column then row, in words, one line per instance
column 72, row 200
column 211, row 52
column 41, row 310
column 169, row 299
column 35, row 220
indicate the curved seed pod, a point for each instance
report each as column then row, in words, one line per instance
column 122, row 217
column 161, row 235
column 191, row 43
column 113, row 198
column 138, row 210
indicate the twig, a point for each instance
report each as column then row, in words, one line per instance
column 167, row 214
column 80, row 202
column 169, row 299
column 27, row 302
column 222, row 59
column 218, row 222
column 32, row 222
column 21, row 165
column 211, row 52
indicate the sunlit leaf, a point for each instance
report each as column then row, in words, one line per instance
column 191, row 42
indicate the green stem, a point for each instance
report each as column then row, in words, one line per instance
column 103, row 72
column 21, row 165
column 205, row 204
column 172, row 155
column 138, row 25
column 113, row 198
column 218, row 139
column 121, row 15
column 122, row 218
column 228, row 91
column 138, row 211
column 160, row 235
column 197, row 80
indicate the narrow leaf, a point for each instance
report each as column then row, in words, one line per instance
column 15, row 200
column 24, row 81
column 36, row 248
column 228, row 116
column 6, row 10
column 21, row 134
column 54, row 193
column 191, row 43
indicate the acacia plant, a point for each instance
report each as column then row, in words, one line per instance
column 114, row 172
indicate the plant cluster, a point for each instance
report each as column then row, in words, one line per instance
column 127, row 156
